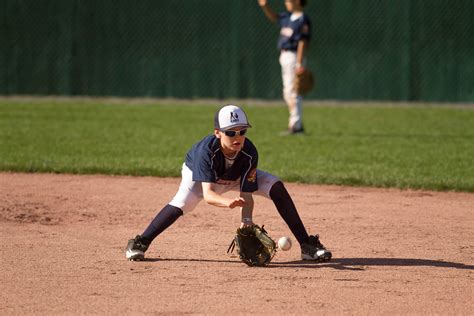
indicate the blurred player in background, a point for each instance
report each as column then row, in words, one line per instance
column 295, row 34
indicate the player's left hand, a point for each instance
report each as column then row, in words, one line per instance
column 254, row 246
column 246, row 224
column 299, row 70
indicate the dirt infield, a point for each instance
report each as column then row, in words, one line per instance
column 395, row 252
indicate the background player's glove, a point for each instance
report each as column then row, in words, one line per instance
column 254, row 246
column 304, row 82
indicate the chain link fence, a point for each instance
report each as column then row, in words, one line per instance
column 360, row 50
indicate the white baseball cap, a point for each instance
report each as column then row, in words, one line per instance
column 230, row 116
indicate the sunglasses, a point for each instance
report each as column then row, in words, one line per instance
column 234, row 133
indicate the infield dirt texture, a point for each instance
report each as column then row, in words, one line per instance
column 395, row 251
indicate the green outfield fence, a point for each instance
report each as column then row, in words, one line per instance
column 361, row 49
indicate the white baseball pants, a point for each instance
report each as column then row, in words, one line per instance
column 294, row 101
column 190, row 193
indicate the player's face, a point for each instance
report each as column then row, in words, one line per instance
column 232, row 140
column 291, row 5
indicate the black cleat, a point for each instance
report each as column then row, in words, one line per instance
column 314, row 250
column 136, row 248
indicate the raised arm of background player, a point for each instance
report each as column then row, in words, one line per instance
column 302, row 44
column 269, row 13
column 245, row 201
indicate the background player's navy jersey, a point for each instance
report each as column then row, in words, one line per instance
column 293, row 31
column 207, row 163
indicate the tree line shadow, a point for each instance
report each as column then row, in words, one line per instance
column 341, row 263
column 361, row 263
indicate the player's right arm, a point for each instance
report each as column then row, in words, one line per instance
column 213, row 198
column 269, row 13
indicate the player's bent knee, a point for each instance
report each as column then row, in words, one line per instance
column 278, row 191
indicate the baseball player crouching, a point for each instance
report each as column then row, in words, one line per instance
column 227, row 161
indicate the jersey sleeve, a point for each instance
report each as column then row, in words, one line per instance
column 248, row 181
column 305, row 30
column 202, row 169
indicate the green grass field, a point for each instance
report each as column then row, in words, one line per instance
column 420, row 147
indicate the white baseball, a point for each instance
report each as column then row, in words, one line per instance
column 284, row 243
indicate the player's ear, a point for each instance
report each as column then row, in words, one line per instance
column 216, row 133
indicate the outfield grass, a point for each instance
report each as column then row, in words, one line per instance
column 420, row 147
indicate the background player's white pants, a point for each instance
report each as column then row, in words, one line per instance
column 294, row 101
column 190, row 193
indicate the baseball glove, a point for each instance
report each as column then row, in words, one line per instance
column 304, row 82
column 254, row 246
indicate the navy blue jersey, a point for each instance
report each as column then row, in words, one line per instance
column 207, row 163
column 293, row 31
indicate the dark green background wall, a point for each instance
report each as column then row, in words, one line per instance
column 364, row 49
